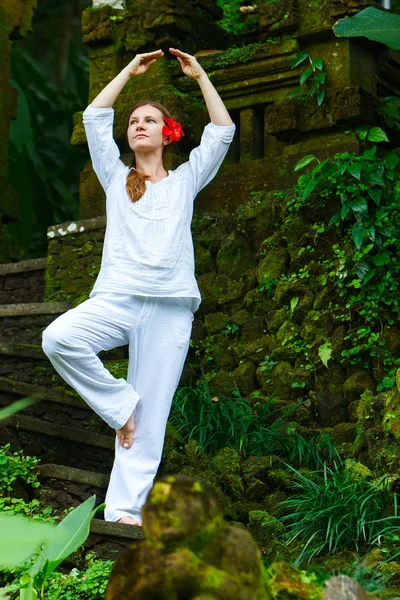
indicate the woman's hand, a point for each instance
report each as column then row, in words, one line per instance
column 189, row 64
column 141, row 62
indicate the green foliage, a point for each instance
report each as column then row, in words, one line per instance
column 314, row 76
column 389, row 109
column 332, row 513
column 267, row 285
column 232, row 21
column 89, row 584
column 361, row 195
column 15, row 466
column 32, row 509
column 40, row 147
column 21, row 538
column 378, row 25
column 217, row 422
column 233, row 55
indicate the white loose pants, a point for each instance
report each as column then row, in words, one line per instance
column 158, row 331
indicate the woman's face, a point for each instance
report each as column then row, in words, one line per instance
column 145, row 129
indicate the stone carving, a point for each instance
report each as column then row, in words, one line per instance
column 348, row 8
column 188, row 550
column 276, row 16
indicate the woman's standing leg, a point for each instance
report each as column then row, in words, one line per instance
column 158, row 348
column 72, row 341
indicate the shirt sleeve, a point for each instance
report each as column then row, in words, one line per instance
column 104, row 152
column 206, row 159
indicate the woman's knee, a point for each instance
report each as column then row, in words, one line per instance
column 51, row 339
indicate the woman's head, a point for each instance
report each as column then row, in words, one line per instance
column 144, row 135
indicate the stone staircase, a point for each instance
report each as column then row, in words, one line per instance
column 75, row 447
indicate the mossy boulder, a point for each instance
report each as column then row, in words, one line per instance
column 259, row 466
column 357, row 471
column 203, row 259
column 391, row 416
column 357, row 384
column 226, row 465
column 273, row 265
column 188, row 550
column 216, row 322
column 276, row 318
column 234, row 257
column 267, row 530
column 330, row 404
column 288, row 582
column 245, row 377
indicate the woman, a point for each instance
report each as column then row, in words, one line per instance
column 146, row 292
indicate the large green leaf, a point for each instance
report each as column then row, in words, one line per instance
column 21, row 537
column 374, row 24
column 72, row 532
column 17, row 406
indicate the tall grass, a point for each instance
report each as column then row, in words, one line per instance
column 216, row 422
column 332, row 513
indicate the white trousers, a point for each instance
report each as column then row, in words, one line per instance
column 158, row 331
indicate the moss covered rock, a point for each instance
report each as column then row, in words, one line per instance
column 188, row 550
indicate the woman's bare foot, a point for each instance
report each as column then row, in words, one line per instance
column 129, row 521
column 125, row 434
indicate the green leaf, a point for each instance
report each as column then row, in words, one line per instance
column 381, row 259
column 299, row 59
column 311, row 185
column 391, row 160
column 378, row 25
column 304, row 162
column 359, row 205
column 355, row 170
column 20, row 538
column 345, row 211
column 319, row 64
column 325, row 352
column 362, row 269
column 17, row 406
column 293, row 303
column 305, row 75
column 376, row 134
column 370, row 153
column 336, row 217
column 72, row 532
column 375, row 195
column 320, row 97
column 357, row 234
column 295, row 92
column 376, row 179
column 362, row 131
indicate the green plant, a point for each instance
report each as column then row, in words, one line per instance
column 88, row 584
column 314, row 76
column 216, row 422
column 331, row 512
column 373, row 23
column 268, row 285
column 14, row 466
column 21, row 538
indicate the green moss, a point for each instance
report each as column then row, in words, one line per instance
column 357, row 471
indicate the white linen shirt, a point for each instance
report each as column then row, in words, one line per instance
column 148, row 247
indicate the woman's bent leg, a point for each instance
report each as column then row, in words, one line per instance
column 72, row 341
column 158, row 348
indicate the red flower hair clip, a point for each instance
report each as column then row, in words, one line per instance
column 172, row 128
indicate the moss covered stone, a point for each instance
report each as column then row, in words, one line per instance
column 357, row 471
column 226, row 465
column 188, row 551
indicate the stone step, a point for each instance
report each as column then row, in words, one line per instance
column 55, row 443
column 56, row 406
column 24, row 323
column 23, row 281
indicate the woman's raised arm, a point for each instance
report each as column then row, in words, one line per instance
column 216, row 108
column 137, row 66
